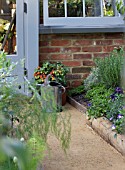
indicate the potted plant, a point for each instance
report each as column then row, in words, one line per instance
column 57, row 72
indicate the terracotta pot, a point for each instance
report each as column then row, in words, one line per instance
column 64, row 96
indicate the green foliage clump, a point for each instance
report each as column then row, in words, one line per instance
column 98, row 98
column 76, row 91
column 92, row 79
column 110, row 68
column 116, row 111
column 57, row 72
column 21, row 116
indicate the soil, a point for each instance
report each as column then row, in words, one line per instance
column 88, row 151
column 80, row 98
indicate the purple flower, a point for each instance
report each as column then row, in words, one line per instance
column 113, row 127
column 113, row 96
column 111, row 118
column 119, row 90
column 89, row 104
column 119, row 116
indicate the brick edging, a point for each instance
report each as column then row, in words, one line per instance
column 103, row 127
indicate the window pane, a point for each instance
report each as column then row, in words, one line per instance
column 74, row 8
column 92, row 8
column 56, row 8
column 109, row 8
column 7, row 38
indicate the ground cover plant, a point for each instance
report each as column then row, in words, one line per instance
column 24, row 125
column 103, row 90
column 106, row 97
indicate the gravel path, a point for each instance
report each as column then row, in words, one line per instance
column 87, row 150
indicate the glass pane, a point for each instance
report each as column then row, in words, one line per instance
column 56, row 8
column 7, row 27
column 109, row 8
column 74, row 8
column 92, row 8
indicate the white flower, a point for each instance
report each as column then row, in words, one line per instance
column 113, row 127
column 22, row 139
column 15, row 159
column 6, row 26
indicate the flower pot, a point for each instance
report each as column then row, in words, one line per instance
column 64, row 96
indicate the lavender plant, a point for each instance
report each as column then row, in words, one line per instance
column 110, row 68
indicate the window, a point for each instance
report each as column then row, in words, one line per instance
column 81, row 13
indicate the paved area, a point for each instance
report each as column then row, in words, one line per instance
column 88, row 151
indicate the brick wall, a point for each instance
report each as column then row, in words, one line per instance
column 77, row 51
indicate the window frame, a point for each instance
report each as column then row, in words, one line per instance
column 81, row 21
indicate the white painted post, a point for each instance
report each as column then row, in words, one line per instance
column 31, row 36
column 19, row 70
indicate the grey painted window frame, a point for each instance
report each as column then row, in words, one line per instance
column 81, row 21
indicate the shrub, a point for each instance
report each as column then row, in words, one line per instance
column 92, row 79
column 110, row 68
column 22, row 116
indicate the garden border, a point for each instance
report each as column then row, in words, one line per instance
column 103, row 127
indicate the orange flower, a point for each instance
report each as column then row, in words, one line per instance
column 41, row 77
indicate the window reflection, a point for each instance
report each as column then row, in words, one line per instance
column 74, row 8
column 109, row 7
column 7, row 30
column 56, row 8
column 81, row 8
column 92, row 8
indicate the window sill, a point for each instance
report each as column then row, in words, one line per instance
column 65, row 29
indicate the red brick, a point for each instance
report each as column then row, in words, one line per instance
column 72, row 36
column 81, row 69
column 82, row 56
column 76, row 83
column 44, row 56
column 72, row 63
column 57, row 36
column 104, row 42
column 119, row 42
column 43, row 43
column 73, row 76
column 93, row 36
column 70, row 49
column 83, row 42
column 85, row 75
column 109, row 48
column 113, row 35
column 61, row 57
column 88, row 63
column 60, row 42
column 100, row 55
column 49, row 50
column 92, row 49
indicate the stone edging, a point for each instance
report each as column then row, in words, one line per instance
column 103, row 127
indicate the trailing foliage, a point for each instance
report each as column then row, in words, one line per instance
column 110, row 68
column 98, row 97
column 116, row 111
